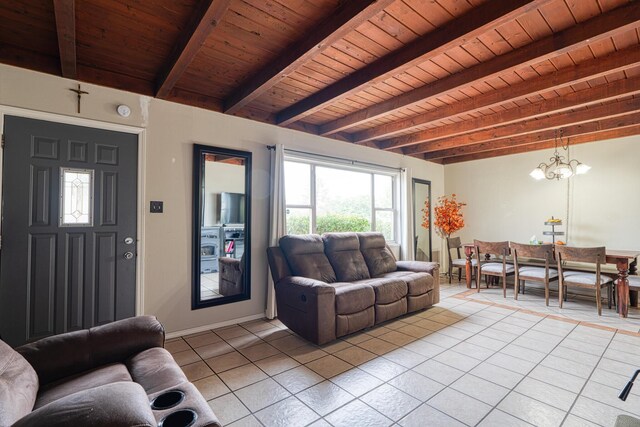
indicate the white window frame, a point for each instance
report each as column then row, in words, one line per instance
column 321, row 161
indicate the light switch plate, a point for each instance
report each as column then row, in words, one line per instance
column 156, row 207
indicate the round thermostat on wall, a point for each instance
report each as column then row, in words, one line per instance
column 123, row 110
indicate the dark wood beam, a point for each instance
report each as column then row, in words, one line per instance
column 203, row 21
column 65, row 13
column 602, row 135
column 457, row 32
column 585, row 97
column 611, row 109
column 591, row 31
column 582, row 72
column 350, row 15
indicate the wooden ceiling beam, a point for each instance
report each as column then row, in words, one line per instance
column 555, row 121
column 585, row 97
column 595, row 125
column 457, row 32
column 594, row 68
column 203, row 21
column 65, row 13
column 591, row 31
column 348, row 17
column 601, row 135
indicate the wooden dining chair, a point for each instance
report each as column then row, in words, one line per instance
column 581, row 279
column 496, row 267
column 533, row 273
column 458, row 262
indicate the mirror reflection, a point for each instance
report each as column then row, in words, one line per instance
column 222, row 235
column 421, row 222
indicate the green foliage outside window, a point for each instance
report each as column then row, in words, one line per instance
column 328, row 223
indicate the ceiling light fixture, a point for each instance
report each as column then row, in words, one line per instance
column 558, row 168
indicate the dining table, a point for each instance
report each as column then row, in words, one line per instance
column 626, row 262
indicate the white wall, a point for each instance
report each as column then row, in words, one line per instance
column 505, row 203
column 171, row 131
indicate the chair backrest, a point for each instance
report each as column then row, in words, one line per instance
column 543, row 252
column 592, row 255
column 595, row 256
column 491, row 248
column 453, row 243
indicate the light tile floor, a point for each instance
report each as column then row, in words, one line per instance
column 209, row 285
column 463, row 362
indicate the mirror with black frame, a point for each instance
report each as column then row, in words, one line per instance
column 221, row 226
column 421, row 222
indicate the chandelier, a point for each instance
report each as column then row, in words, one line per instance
column 558, row 168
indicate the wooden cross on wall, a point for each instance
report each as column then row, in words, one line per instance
column 79, row 92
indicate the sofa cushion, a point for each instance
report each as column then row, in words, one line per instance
column 306, row 257
column 106, row 374
column 378, row 257
column 417, row 283
column 154, row 369
column 352, row 297
column 387, row 289
column 343, row 251
column 18, row 385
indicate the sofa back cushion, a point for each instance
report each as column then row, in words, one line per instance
column 378, row 257
column 306, row 257
column 343, row 252
column 18, row 385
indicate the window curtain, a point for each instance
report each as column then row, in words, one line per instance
column 277, row 209
column 406, row 203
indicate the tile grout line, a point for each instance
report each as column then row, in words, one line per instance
column 579, row 394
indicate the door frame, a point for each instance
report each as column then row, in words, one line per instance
column 141, row 133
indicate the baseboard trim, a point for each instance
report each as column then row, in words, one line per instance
column 203, row 328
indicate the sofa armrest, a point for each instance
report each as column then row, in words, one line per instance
column 121, row 404
column 419, row 267
column 307, row 307
column 59, row 356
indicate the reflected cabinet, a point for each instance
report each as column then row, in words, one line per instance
column 221, row 226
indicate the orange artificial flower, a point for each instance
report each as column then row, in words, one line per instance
column 448, row 216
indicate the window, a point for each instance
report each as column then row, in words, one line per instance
column 76, row 197
column 324, row 198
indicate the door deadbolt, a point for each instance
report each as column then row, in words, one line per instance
column 128, row 240
column 128, row 255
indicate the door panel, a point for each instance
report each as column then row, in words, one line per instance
column 62, row 263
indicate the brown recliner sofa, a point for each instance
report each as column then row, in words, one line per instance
column 113, row 375
column 333, row 285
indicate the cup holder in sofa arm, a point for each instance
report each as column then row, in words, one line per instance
column 181, row 418
column 167, row 400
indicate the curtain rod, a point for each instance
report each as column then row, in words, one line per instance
column 341, row 159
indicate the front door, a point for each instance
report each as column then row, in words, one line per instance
column 67, row 259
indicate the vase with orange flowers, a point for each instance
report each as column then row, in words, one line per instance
column 448, row 216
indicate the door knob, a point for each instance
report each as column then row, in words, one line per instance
column 128, row 255
column 128, row 240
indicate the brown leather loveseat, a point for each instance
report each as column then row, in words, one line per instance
column 113, row 375
column 339, row 283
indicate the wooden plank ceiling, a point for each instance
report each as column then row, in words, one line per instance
column 441, row 80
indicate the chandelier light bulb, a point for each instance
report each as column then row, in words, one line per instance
column 537, row 174
column 582, row 168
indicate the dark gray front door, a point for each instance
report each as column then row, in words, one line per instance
column 67, row 259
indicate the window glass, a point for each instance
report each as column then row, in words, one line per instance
column 343, row 200
column 384, row 224
column 297, row 178
column 383, row 185
column 298, row 221
column 321, row 198
column 76, row 197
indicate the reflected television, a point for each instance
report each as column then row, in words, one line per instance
column 232, row 208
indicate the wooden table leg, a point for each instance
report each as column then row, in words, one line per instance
column 623, row 287
column 468, row 268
